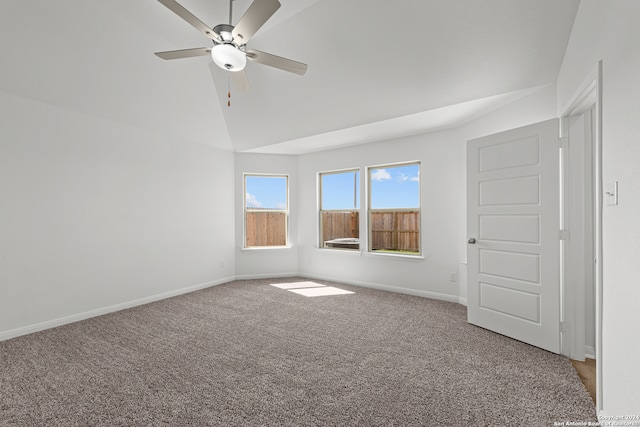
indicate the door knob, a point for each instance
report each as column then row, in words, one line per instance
column 471, row 241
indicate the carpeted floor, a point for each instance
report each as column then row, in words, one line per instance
column 247, row 353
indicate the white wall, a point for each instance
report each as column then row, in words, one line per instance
column 608, row 30
column 96, row 215
column 256, row 263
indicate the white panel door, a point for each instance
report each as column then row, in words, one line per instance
column 513, row 219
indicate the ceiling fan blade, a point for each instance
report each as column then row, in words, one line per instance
column 240, row 80
column 184, row 53
column 277, row 62
column 183, row 13
column 258, row 13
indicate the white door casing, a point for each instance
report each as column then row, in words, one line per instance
column 513, row 202
column 578, row 256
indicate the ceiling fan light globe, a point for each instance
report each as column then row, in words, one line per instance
column 228, row 57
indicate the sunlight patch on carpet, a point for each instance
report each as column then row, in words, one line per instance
column 320, row 292
column 311, row 289
column 297, row 285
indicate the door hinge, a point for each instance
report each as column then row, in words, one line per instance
column 564, row 234
column 564, row 327
column 564, row 142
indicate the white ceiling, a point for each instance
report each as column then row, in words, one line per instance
column 376, row 68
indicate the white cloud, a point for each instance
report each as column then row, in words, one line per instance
column 403, row 178
column 281, row 206
column 252, row 202
column 380, row 175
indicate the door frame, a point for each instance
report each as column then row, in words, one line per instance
column 587, row 96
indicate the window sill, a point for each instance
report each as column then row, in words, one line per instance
column 395, row 256
column 340, row 250
column 266, row 248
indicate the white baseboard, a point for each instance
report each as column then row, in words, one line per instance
column 29, row 329
column 589, row 352
column 462, row 301
column 408, row 291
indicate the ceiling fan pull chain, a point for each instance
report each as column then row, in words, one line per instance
column 228, row 91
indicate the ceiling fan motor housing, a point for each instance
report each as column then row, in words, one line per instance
column 224, row 32
column 227, row 54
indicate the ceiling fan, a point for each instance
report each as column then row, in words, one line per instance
column 229, row 50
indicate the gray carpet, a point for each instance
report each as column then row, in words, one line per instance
column 246, row 353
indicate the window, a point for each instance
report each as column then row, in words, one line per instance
column 340, row 210
column 266, row 210
column 394, row 208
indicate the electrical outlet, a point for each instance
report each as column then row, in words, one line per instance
column 222, row 264
column 453, row 277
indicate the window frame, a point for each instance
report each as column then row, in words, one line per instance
column 358, row 210
column 370, row 210
column 246, row 210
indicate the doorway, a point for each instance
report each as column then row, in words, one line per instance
column 504, row 229
column 581, row 216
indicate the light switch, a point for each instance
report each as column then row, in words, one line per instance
column 611, row 193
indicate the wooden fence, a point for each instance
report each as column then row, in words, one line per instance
column 337, row 225
column 391, row 230
column 395, row 231
column 266, row 228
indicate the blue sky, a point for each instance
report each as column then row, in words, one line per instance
column 266, row 192
column 391, row 187
column 338, row 190
column 395, row 187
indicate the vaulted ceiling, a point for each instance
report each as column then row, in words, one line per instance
column 375, row 67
